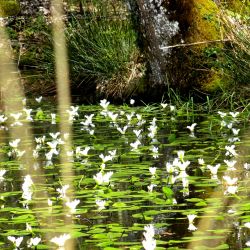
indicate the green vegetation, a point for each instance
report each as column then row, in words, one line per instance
column 105, row 59
column 104, row 54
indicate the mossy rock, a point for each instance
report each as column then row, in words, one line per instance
column 193, row 68
column 204, row 25
column 9, row 8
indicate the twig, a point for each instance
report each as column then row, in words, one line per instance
column 193, row 44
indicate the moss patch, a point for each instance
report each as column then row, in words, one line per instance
column 9, row 8
column 204, row 24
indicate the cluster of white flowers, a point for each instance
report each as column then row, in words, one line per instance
column 152, row 129
column 177, row 170
column 231, row 184
column 101, row 178
column 15, row 152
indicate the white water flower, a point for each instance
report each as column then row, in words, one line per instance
column 132, row 101
column 152, row 170
column 191, row 218
column 185, row 181
column 60, row 240
column 122, row 130
column 2, row 173
column 50, row 203
column 164, row 105
column 149, row 243
column 230, row 164
column 40, row 140
column 152, row 129
column 201, row 161
column 191, row 127
column 170, row 168
column 112, row 116
column 53, row 146
column 151, row 187
column 53, row 118
column 101, row 178
column 28, row 114
column 192, row 227
column 231, row 190
column 183, row 165
column 235, row 131
column 223, row 123
column 112, row 153
column 135, row 144
column 14, row 143
column 26, row 187
column 35, row 154
column 222, row 114
column 16, row 241
column 181, row 154
column 101, row 204
column 39, row 99
column 73, row 113
column 54, row 135
column 246, row 166
column 3, row 118
column 106, row 158
column 230, row 181
column 130, row 116
column 247, row 224
column 137, row 132
column 104, row 103
column 79, row 152
column 234, row 114
column 230, row 125
column 233, row 139
column 88, row 122
column 16, row 117
column 155, row 149
column 230, row 150
column 248, row 243
column 19, row 153
column 172, row 108
column 28, row 227
column 72, row 205
column 34, row 241
column 213, row 169
column 62, row 191
column 139, row 117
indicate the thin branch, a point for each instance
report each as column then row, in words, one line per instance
column 193, row 44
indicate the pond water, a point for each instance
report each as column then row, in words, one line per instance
column 141, row 178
